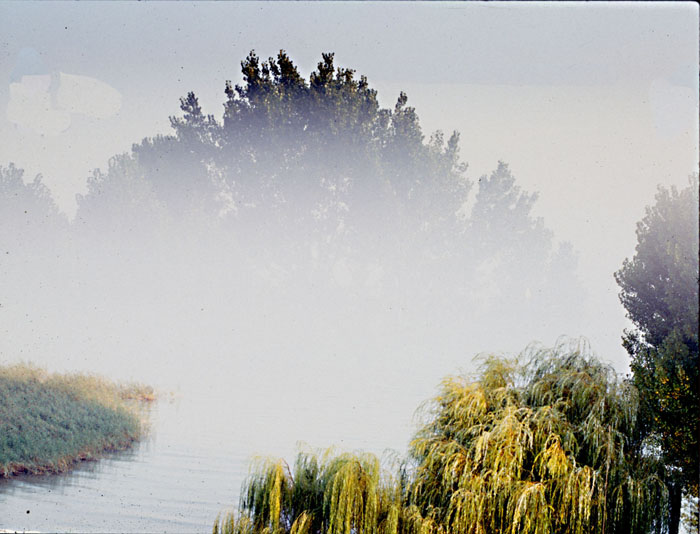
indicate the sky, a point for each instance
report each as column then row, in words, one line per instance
column 593, row 105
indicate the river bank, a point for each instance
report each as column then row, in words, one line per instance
column 51, row 422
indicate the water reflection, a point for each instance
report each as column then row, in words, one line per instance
column 193, row 463
column 164, row 484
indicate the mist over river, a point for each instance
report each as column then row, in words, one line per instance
column 192, row 464
column 264, row 381
column 309, row 214
column 170, row 482
column 249, row 360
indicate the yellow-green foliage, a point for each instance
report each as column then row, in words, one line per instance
column 541, row 444
column 337, row 493
column 49, row 421
column 539, row 447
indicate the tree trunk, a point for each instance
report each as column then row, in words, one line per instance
column 675, row 495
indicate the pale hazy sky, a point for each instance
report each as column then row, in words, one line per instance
column 591, row 104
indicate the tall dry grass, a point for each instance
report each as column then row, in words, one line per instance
column 49, row 421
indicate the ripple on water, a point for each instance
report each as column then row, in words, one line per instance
column 193, row 463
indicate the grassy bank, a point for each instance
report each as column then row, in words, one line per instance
column 49, row 422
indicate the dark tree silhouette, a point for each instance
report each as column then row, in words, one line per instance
column 309, row 176
column 659, row 289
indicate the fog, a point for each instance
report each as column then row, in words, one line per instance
column 322, row 269
column 339, row 325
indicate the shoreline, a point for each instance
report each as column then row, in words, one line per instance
column 50, row 423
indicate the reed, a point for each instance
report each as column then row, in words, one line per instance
column 49, row 422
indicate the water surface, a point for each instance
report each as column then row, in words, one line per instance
column 191, row 466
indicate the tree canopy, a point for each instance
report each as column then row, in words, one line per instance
column 659, row 285
column 33, row 235
column 299, row 149
column 28, row 213
column 308, row 184
column 314, row 176
column 659, row 289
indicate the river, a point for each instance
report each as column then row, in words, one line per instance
column 193, row 461
column 234, row 383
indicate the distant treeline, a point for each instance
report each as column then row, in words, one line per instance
column 305, row 178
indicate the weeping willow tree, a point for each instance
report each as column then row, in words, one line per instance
column 539, row 444
column 542, row 444
column 330, row 493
